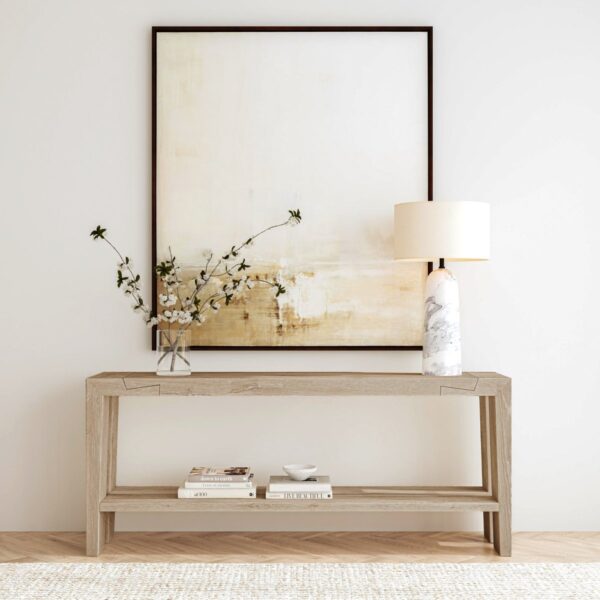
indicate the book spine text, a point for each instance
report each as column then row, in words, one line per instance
column 298, row 495
column 223, row 493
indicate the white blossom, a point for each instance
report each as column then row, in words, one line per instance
column 167, row 299
column 184, row 318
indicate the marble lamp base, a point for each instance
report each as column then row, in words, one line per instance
column 441, row 341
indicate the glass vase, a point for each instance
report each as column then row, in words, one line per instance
column 172, row 352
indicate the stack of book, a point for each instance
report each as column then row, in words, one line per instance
column 317, row 487
column 218, row 482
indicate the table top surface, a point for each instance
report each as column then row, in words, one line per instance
column 295, row 374
column 300, row 383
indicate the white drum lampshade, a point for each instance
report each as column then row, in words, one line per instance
column 431, row 231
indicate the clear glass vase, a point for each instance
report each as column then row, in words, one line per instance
column 172, row 352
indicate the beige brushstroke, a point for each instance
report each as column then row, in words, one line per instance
column 337, row 305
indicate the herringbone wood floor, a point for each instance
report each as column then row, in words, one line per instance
column 299, row 547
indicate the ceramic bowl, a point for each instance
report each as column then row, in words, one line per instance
column 299, row 472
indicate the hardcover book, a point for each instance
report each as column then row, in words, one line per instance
column 219, row 485
column 316, row 483
column 219, row 474
column 298, row 495
column 184, row 492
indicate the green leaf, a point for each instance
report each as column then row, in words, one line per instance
column 295, row 215
column 120, row 278
column 163, row 269
column 98, row 233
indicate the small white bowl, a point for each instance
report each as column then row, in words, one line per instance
column 299, row 472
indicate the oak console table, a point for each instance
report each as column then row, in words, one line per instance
column 492, row 497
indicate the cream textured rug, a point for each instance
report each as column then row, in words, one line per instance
column 350, row 581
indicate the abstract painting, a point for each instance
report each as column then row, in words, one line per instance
column 251, row 122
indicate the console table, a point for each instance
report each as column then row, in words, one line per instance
column 492, row 497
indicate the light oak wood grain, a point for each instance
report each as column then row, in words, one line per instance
column 111, row 482
column 345, row 499
column 296, row 384
column 500, row 420
column 95, row 472
column 302, row 547
column 104, row 498
column 484, row 424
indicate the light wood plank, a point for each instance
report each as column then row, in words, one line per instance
column 500, row 419
column 345, row 499
column 295, row 384
column 299, row 547
column 113, row 432
column 112, row 428
column 484, row 427
column 96, row 472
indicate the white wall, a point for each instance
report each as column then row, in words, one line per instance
column 517, row 124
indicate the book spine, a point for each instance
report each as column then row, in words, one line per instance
column 298, row 495
column 220, row 478
column 215, row 485
column 306, row 487
column 223, row 493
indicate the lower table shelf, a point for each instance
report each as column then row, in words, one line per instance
column 345, row 499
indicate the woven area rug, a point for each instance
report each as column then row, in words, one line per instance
column 350, row 581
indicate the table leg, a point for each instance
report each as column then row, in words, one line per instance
column 484, row 421
column 111, row 448
column 500, row 436
column 102, row 415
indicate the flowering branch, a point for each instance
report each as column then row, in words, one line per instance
column 126, row 278
column 222, row 279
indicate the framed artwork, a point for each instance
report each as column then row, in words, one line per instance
column 248, row 122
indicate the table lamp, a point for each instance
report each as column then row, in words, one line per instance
column 444, row 231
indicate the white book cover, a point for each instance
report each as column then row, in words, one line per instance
column 298, row 495
column 219, row 485
column 219, row 474
column 316, row 483
column 184, row 492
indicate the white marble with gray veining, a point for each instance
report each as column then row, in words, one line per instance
column 441, row 341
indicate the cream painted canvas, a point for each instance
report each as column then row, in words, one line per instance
column 249, row 124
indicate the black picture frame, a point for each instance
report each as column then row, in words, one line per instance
column 427, row 30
